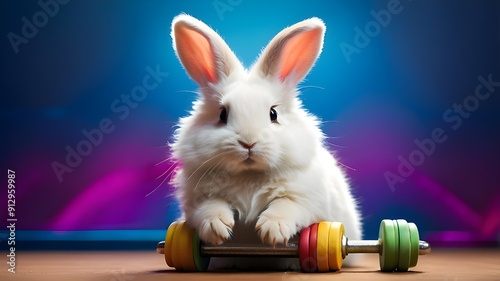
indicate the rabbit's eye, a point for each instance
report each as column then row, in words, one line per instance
column 223, row 115
column 274, row 115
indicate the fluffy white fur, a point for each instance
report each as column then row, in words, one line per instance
column 288, row 179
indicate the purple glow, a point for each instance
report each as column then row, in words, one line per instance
column 468, row 215
column 451, row 236
column 481, row 225
column 492, row 219
column 99, row 196
column 371, row 141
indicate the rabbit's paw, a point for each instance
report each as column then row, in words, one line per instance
column 274, row 230
column 216, row 229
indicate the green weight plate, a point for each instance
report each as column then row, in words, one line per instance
column 414, row 241
column 404, row 245
column 388, row 237
column 396, row 234
column 200, row 262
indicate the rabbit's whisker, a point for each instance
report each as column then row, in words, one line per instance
column 170, row 170
column 202, row 164
column 163, row 161
column 207, row 172
column 344, row 165
column 166, row 171
column 310, row 86
column 202, row 176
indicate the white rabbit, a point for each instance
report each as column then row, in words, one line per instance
column 249, row 153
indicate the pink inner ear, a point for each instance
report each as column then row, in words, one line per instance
column 299, row 54
column 196, row 54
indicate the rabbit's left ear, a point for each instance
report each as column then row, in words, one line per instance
column 292, row 53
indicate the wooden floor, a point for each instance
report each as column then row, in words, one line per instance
column 441, row 264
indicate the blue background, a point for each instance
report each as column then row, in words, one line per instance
column 394, row 91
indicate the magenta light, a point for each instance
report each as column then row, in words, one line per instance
column 97, row 197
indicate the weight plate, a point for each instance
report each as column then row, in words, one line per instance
column 404, row 245
column 335, row 236
column 388, row 238
column 414, row 241
column 186, row 248
column 176, row 246
column 200, row 262
column 322, row 246
column 313, row 250
column 304, row 249
column 167, row 249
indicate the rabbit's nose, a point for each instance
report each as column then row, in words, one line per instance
column 246, row 145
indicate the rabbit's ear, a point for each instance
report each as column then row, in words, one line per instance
column 292, row 53
column 204, row 54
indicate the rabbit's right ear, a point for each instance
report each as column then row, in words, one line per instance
column 202, row 52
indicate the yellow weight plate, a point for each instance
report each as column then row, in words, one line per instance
column 167, row 249
column 176, row 246
column 335, row 236
column 186, row 248
column 322, row 246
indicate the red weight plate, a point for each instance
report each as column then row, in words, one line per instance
column 313, row 248
column 304, row 249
